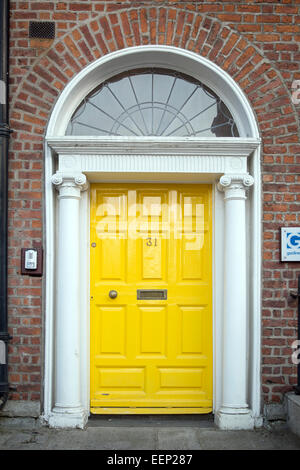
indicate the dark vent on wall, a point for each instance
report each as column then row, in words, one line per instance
column 42, row 29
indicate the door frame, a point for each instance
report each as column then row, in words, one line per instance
column 75, row 161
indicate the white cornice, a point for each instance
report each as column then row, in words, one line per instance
column 225, row 147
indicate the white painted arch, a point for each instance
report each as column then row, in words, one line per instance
column 59, row 147
column 153, row 56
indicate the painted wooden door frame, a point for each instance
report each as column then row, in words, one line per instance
column 71, row 162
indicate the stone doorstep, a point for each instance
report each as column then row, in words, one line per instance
column 273, row 412
column 27, row 414
column 293, row 412
column 20, row 415
column 21, row 409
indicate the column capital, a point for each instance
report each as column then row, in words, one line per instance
column 235, row 186
column 69, row 185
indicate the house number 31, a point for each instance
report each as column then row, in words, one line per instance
column 151, row 241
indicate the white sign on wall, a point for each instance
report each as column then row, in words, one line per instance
column 290, row 243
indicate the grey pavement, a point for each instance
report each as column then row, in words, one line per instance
column 143, row 433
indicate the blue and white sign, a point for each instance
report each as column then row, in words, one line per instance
column 290, row 244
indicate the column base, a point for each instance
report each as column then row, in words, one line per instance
column 68, row 418
column 238, row 419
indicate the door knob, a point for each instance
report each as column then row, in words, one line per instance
column 113, row 294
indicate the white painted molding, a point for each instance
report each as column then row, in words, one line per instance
column 240, row 180
column 98, row 156
column 213, row 156
column 62, row 181
column 235, row 186
column 225, row 147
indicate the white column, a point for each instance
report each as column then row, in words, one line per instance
column 68, row 410
column 234, row 412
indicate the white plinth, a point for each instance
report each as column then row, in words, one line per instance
column 234, row 421
column 68, row 418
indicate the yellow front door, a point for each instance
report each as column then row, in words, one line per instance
column 151, row 298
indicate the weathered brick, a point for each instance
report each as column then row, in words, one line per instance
column 252, row 41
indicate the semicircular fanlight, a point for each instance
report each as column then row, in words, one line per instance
column 152, row 102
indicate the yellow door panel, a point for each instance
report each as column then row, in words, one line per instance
column 151, row 346
column 111, row 319
column 123, row 379
column 153, row 330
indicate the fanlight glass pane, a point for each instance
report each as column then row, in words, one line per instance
column 152, row 102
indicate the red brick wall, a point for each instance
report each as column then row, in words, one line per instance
column 257, row 43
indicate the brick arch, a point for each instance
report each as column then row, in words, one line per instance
column 36, row 96
column 177, row 27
